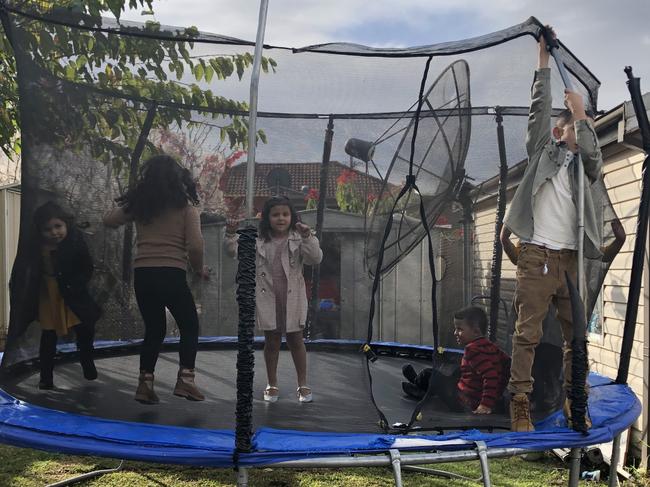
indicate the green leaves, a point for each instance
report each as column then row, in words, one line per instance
column 134, row 66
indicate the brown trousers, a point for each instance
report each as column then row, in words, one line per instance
column 536, row 290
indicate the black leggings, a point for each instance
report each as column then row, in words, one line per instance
column 84, row 337
column 157, row 288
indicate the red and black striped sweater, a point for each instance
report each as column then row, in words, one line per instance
column 483, row 374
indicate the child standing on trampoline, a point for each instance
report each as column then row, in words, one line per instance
column 284, row 245
column 162, row 204
column 64, row 303
column 543, row 214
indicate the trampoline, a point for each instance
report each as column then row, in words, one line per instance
column 82, row 417
column 88, row 120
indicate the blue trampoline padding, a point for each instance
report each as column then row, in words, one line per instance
column 30, row 426
column 613, row 408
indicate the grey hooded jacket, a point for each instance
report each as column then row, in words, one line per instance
column 545, row 158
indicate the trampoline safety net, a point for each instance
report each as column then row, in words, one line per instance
column 98, row 97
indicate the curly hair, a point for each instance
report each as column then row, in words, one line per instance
column 45, row 213
column 265, row 223
column 162, row 184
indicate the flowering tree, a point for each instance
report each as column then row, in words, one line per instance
column 207, row 162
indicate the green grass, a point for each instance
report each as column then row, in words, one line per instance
column 30, row 468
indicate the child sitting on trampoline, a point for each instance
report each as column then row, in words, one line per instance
column 543, row 214
column 483, row 371
column 283, row 246
column 64, row 303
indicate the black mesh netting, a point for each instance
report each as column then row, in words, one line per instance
column 98, row 97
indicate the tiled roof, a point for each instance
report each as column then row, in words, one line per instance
column 301, row 174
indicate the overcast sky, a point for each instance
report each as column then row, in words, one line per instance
column 606, row 35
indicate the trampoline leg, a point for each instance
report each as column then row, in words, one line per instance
column 242, row 477
column 397, row 466
column 613, row 464
column 86, row 476
column 483, row 458
column 574, row 467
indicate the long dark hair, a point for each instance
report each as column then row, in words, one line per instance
column 44, row 214
column 265, row 223
column 162, row 184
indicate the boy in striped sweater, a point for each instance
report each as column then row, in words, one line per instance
column 484, row 369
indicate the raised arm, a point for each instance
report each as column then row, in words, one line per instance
column 230, row 238
column 539, row 117
column 310, row 247
column 586, row 137
column 116, row 217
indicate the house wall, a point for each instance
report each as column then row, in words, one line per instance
column 622, row 179
column 9, row 170
column 484, row 231
column 406, row 300
column 9, row 226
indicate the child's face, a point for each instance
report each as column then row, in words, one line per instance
column 54, row 231
column 280, row 219
column 465, row 332
column 566, row 133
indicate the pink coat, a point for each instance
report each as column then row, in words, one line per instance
column 299, row 251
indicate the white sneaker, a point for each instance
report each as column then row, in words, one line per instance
column 271, row 394
column 304, row 394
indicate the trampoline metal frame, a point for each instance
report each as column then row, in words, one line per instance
column 399, row 461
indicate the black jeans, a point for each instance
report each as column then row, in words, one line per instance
column 157, row 288
column 84, row 337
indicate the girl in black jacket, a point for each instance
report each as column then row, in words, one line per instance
column 64, row 303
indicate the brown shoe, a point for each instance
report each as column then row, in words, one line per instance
column 520, row 413
column 145, row 393
column 566, row 409
column 185, row 386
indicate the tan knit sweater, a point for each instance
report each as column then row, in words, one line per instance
column 169, row 240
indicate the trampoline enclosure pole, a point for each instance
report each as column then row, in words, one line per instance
column 574, row 467
column 252, row 118
column 641, row 232
column 312, row 319
column 613, row 464
column 581, row 181
column 467, row 250
column 497, row 254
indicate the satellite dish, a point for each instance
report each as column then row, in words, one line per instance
column 441, row 146
column 277, row 179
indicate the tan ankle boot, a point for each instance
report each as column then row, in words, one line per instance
column 520, row 413
column 185, row 386
column 145, row 393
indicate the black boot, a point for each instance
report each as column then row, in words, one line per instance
column 413, row 391
column 85, row 335
column 88, row 365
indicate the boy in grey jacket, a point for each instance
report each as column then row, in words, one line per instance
column 543, row 214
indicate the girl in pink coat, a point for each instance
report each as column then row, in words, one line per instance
column 283, row 246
